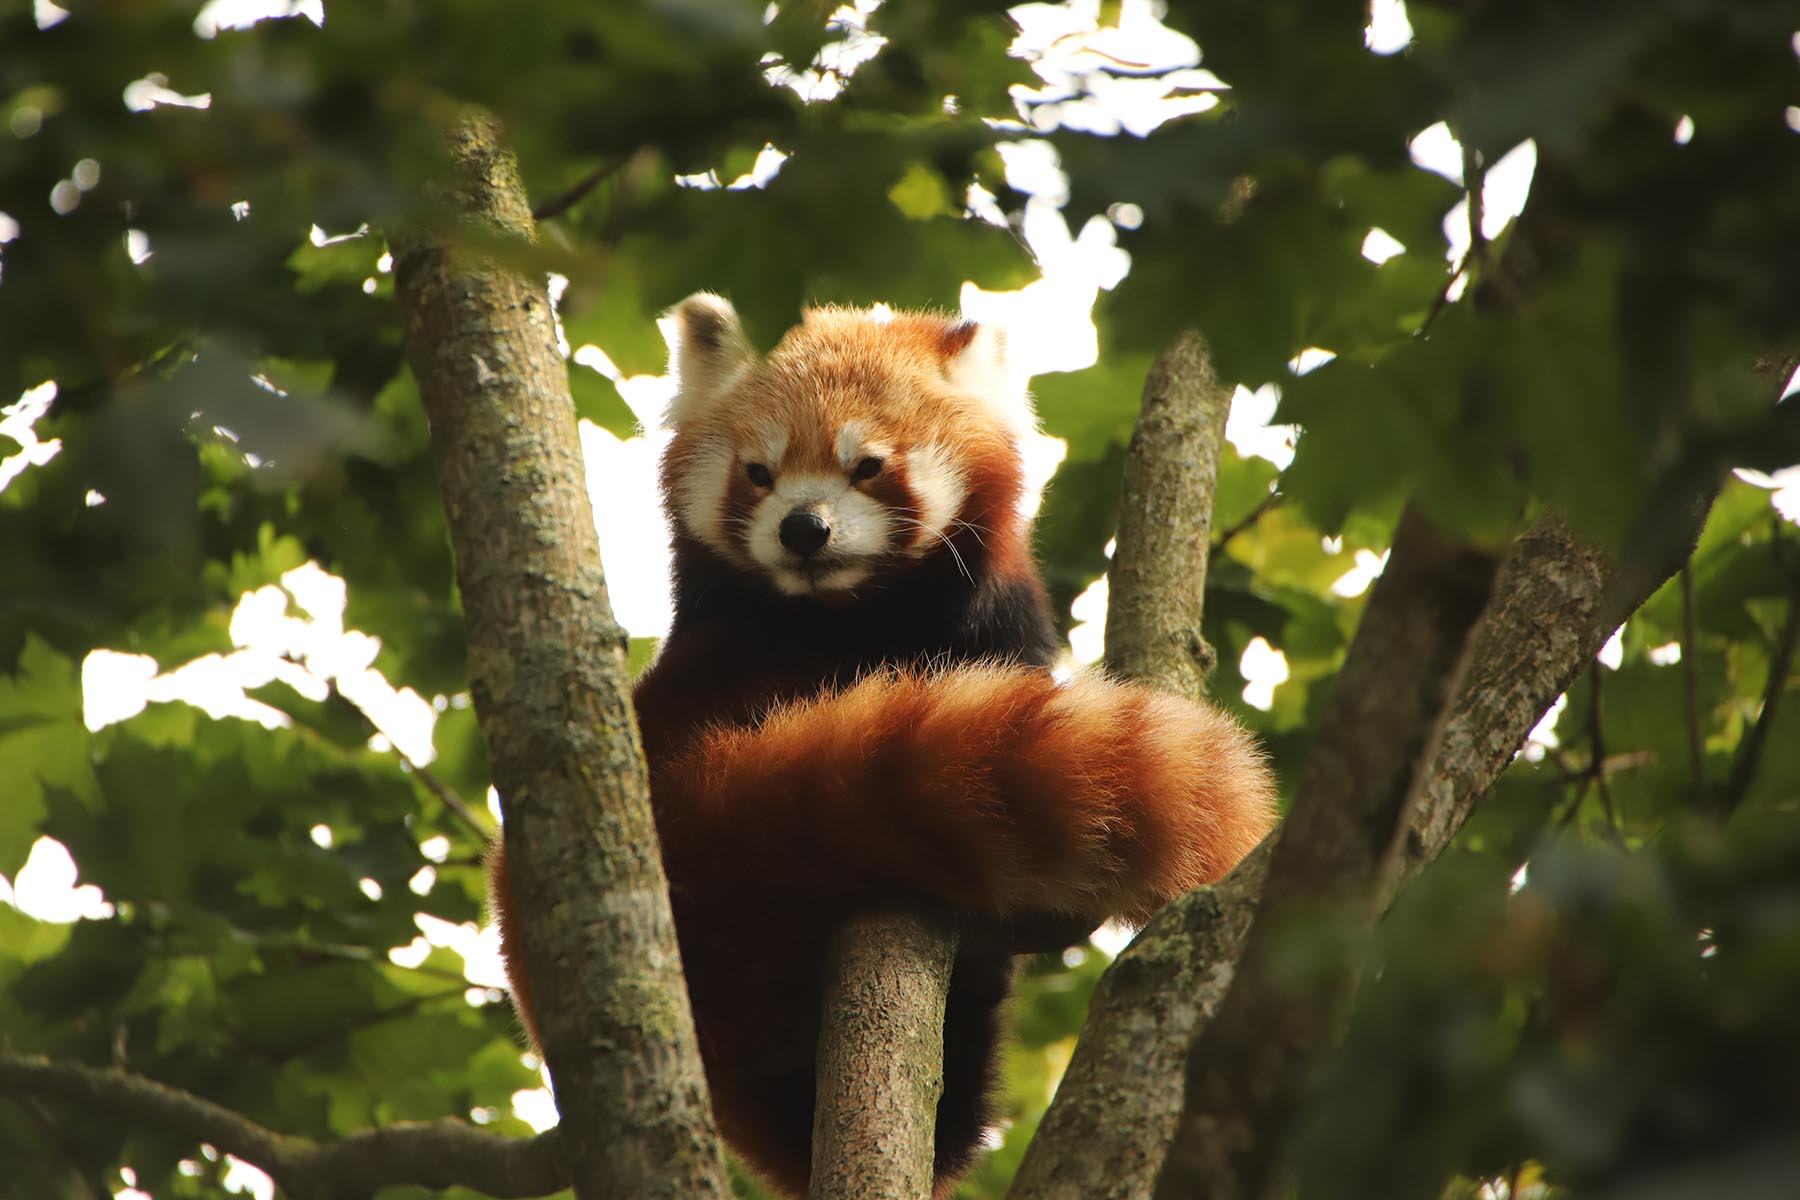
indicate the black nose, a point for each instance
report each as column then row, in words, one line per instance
column 803, row 533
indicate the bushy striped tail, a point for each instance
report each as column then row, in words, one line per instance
column 990, row 788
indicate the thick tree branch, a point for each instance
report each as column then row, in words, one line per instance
column 1115, row 1109
column 1157, row 584
column 1555, row 603
column 1552, row 610
column 1334, row 857
column 881, row 1058
column 435, row 1155
column 547, row 670
column 1106, row 1134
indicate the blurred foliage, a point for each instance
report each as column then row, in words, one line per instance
column 234, row 406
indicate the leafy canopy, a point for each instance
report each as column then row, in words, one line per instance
column 234, row 406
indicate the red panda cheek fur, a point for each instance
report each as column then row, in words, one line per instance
column 902, row 745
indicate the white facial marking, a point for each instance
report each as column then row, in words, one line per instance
column 701, row 489
column 850, row 438
column 841, row 580
column 853, row 446
column 771, row 443
column 939, row 488
column 860, row 532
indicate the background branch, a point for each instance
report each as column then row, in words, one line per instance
column 434, row 1155
column 576, row 192
column 1690, row 679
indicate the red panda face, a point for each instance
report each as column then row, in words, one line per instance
column 864, row 443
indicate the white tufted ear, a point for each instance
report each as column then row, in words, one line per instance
column 707, row 351
column 976, row 364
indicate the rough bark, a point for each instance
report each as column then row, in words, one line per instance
column 881, row 1058
column 547, row 670
column 1555, row 603
column 1115, row 1110
column 1108, row 1132
column 1552, row 610
column 434, row 1155
column 1337, row 849
column 1157, row 584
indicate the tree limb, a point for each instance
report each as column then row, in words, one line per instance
column 1555, row 602
column 1156, row 588
column 1115, row 1109
column 1107, row 1131
column 1334, row 858
column 881, row 1058
column 547, row 671
column 435, row 1155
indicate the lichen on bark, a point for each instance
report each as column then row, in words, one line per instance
column 548, row 674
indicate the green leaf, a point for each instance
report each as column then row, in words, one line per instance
column 43, row 744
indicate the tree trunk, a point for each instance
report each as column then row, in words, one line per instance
column 547, row 669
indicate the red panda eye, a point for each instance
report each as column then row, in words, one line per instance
column 868, row 468
column 759, row 475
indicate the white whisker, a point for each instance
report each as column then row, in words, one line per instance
column 961, row 566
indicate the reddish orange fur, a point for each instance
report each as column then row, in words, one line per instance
column 810, row 757
column 991, row 788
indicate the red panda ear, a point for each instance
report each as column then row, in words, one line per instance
column 707, row 350
column 955, row 338
column 976, row 364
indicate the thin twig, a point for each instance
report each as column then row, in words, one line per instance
column 1690, row 673
column 1579, row 779
column 1597, row 743
column 1781, row 666
column 452, row 801
column 54, row 1135
column 1439, row 302
column 557, row 205
column 1274, row 500
column 1474, row 181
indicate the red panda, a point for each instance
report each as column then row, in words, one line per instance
column 854, row 708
